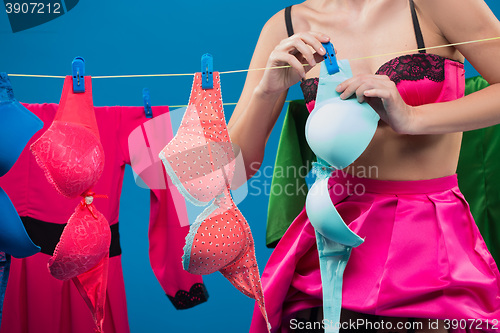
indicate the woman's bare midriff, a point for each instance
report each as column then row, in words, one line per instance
column 392, row 156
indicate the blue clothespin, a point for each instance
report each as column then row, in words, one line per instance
column 207, row 71
column 78, row 66
column 330, row 60
column 147, row 103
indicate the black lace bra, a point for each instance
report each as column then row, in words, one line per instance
column 409, row 67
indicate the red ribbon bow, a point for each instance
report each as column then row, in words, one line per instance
column 88, row 199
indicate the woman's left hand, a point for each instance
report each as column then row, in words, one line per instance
column 383, row 96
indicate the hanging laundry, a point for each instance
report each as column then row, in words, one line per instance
column 200, row 160
column 19, row 125
column 72, row 157
column 57, row 306
column 144, row 143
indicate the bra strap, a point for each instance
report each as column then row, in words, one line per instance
column 288, row 21
column 416, row 27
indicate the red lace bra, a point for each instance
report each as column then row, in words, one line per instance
column 71, row 154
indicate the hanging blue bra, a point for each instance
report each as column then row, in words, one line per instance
column 338, row 131
column 18, row 126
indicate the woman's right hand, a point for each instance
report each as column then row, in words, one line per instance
column 298, row 50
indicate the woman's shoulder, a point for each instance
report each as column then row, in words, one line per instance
column 446, row 12
column 299, row 15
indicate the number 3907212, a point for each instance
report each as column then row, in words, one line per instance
column 32, row 8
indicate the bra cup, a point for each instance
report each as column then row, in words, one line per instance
column 18, row 125
column 71, row 156
column 84, row 242
column 200, row 159
column 223, row 242
column 340, row 130
column 200, row 172
column 324, row 216
column 216, row 241
column 14, row 239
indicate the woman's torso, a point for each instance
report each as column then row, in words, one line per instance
column 382, row 27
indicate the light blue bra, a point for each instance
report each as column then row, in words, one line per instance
column 338, row 131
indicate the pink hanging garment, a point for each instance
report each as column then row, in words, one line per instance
column 58, row 306
column 144, row 142
column 71, row 154
column 200, row 161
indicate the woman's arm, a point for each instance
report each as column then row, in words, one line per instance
column 457, row 21
column 265, row 92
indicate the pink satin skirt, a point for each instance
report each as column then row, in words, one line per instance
column 423, row 256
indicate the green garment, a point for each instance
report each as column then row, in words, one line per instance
column 478, row 174
column 293, row 153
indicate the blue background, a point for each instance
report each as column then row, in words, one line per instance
column 150, row 37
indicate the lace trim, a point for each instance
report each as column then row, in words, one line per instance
column 55, row 156
column 197, row 294
column 193, row 229
column 309, row 89
column 409, row 67
column 185, row 193
column 414, row 67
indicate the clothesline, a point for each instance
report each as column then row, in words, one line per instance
column 183, row 106
column 256, row 69
column 225, row 104
column 260, row 69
